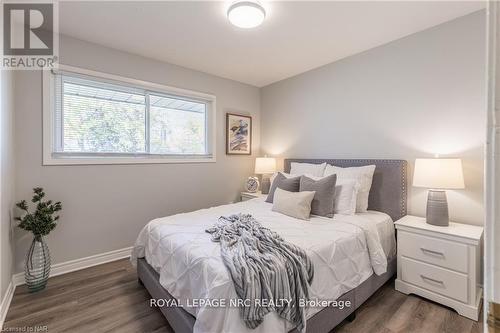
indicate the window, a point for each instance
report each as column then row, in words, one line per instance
column 96, row 118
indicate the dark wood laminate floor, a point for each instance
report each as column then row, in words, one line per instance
column 107, row 298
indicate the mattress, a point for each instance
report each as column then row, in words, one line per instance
column 345, row 250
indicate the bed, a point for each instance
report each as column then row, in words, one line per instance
column 177, row 261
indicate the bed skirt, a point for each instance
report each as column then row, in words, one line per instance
column 323, row 321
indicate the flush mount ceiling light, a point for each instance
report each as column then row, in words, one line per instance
column 246, row 14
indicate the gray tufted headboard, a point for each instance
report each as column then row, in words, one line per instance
column 389, row 188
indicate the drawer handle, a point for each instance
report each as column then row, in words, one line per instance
column 436, row 253
column 431, row 279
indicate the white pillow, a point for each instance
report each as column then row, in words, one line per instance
column 316, row 170
column 363, row 175
column 346, row 192
column 294, row 204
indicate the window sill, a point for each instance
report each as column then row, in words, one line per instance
column 110, row 160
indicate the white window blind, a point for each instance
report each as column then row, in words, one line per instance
column 99, row 118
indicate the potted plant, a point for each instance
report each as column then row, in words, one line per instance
column 40, row 222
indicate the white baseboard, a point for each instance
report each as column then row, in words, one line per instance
column 78, row 264
column 4, row 306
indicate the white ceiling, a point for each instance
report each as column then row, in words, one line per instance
column 295, row 37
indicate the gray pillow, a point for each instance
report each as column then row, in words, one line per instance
column 287, row 184
column 324, row 199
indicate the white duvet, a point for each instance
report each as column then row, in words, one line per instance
column 345, row 251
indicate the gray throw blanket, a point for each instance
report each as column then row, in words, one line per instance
column 263, row 266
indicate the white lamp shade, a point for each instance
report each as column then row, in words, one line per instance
column 265, row 165
column 438, row 173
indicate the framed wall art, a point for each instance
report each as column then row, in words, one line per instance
column 238, row 134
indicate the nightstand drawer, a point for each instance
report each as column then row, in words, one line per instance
column 433, row 251
column 438, row 280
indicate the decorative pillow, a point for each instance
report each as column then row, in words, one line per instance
column 316, row 170
column 346, row 192
column 287, row 175
column 324, row 198
column 294, row 204
column 284, row 183
column 364, row 175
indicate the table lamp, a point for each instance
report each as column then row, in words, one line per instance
column 438, row 175
column 265, row 166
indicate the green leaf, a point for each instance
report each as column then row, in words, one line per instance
column 42, row 221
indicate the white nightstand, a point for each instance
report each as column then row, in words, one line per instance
column 249, row 195
column 440, row 263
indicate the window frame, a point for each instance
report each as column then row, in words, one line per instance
column 52, row 157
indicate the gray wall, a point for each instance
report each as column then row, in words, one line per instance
column 6, row 178
column 105, row 206
column 418, row 96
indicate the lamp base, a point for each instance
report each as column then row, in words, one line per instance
column 265, row 184
column 437, row 208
